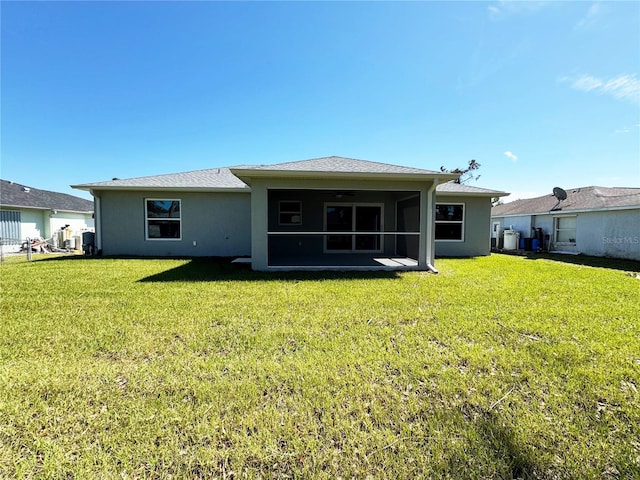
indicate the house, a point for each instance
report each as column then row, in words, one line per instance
column 27, row 212
column 323, row 213
column 598, row 221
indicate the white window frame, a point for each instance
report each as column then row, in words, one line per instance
column 146, row 219
column 290, row 212
column 557, row 229
column 457, row 222
column 353, row 233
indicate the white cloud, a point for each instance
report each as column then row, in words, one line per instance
column 511, row 155
column 506, row 8
column 590, row 19
column 622, row 87
column 625, row 129
column 586, row 83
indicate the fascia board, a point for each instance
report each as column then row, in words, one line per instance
column 98, row 188
column 25, row 207
column 472, row 194
column 557, row 213
column 250, row 173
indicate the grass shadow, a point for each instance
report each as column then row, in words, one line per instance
column 221, row 269
column 502, row 442
column 599, row 262
column 214, row 269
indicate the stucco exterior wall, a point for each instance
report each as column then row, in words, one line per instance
column 545, row 222
column 613, row 233
column 32, row 224
column 78, row 222
column 609, row 234
column 521, row 224
column 477, row 238
column 218, row 223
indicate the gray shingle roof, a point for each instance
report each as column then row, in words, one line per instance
column 462, row 189
column 16, row 195
column 584, row 198
column 224, row 178
column 338, row 164
column 213, row 178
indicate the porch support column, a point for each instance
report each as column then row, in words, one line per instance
column 97, row 221
column 259, row 227
column 426, row 251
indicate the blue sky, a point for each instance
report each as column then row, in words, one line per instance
column 541, row 94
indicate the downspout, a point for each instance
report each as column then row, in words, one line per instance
column 97, row 220
column 431, row 226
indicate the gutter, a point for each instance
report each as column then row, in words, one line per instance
column 242, row 173
column 64, row 210
column 149, row 188
column 556, row 213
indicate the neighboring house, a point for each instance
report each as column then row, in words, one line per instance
column 598, row 221
column 27, row 212
column 323, row 213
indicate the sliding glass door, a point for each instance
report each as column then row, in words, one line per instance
column 359, row 220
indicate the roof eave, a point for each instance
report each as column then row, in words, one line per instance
column 243, row 173
column 473, row 194
column 96, row 188
column 569, row 211
column 5, row 206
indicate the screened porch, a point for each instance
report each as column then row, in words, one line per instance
column 343, row 229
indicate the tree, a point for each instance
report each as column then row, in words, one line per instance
column 465, row 173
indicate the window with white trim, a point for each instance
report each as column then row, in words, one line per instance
column 289, row 212
column 565, row 230
column 163, row 220
column 450, row 221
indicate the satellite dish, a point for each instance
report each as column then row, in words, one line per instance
column 559, row 193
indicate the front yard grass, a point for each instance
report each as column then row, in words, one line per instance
column 498, row 367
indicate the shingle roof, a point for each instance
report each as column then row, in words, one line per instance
column 224, row 178
column 213, row 178
column 462, row 189
column 15, row 195
column 338, row 164
column 584, row 198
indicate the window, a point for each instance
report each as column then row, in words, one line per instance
column 360, row 218
column 566, row 230
column 290, row 213
column 10, row 227
column 163, row 219
column 450, row 221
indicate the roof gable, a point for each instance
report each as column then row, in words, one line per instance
column 583, row 198
column 233, row 178
column 338, row 164
column 16, row 195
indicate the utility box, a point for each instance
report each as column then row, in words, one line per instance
column 511, row 239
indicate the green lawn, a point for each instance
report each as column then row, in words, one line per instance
column 498, row 367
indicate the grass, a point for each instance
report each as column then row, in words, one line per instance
column 498, row 367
